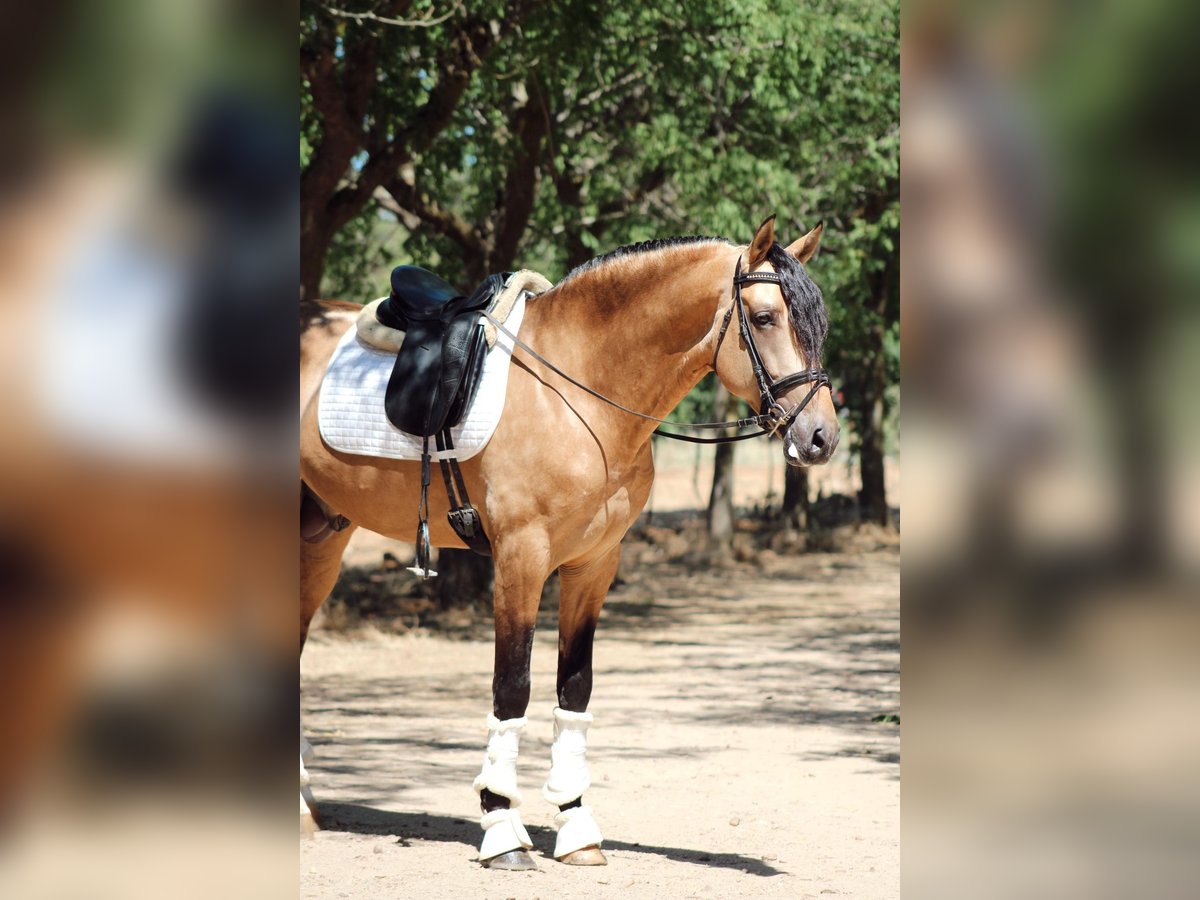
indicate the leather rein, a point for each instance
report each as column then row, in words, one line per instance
column 772, row 417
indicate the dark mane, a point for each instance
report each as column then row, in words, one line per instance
column 806, row 306
column 643, row 247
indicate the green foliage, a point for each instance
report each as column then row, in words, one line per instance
column 363, row 254
column 683, row 117
column 748, row 106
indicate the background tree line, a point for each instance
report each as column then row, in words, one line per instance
column 478, row 136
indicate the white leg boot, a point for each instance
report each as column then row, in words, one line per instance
column 503, row 830
column 568, row 780
column 308, row 822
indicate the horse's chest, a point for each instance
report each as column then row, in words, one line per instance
column 608, row 511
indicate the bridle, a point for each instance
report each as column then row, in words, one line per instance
column 771, row 413
column 772, row 416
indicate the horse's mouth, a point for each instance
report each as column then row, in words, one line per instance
column 797, row 457
column 793, row 457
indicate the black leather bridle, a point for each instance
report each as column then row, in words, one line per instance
column 771, row 413
column 772, row 416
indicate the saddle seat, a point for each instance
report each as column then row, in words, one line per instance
column 375, row 332
column 416, row 294
column 440, row 340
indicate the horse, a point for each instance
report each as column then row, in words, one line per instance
column 569, row 468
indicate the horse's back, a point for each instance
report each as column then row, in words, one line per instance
column 322, row 324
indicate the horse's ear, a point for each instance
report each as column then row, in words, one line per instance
column 804, row 248
column 764, row 238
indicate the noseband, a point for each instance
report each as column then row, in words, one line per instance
column 772, row 417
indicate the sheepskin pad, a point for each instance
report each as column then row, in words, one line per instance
column 382, row 337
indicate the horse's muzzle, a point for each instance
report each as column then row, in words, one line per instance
column 805, row 445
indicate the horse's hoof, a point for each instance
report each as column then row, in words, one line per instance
column 512, row 861
column 308, row 825
column 585, row 856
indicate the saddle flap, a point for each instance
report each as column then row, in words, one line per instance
column 409, row 399
column 460, row 380
column 440, row 361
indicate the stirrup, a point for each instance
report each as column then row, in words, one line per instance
column 421, row 569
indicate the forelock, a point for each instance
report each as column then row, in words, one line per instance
column 806, row 306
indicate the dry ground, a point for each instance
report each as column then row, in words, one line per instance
column 734, row 752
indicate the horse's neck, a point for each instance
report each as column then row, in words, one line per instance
column 638, row 330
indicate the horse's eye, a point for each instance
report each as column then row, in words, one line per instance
column 764, row 319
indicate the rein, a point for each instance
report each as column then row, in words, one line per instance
column 772, row 416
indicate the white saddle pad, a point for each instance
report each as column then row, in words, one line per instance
column 350, row 407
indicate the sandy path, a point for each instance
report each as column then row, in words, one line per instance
column 733, row 753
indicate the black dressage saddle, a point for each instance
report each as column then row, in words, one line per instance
column 434, row 379
column 437, row 370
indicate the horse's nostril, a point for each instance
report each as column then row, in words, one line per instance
column 818, row 440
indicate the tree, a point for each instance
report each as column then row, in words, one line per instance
column 720, row 517
column 864, row 346
column 360, row 125
column 795, row 496
column 464, row 578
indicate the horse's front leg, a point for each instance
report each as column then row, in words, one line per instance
column 519, row 582
column 583, row 589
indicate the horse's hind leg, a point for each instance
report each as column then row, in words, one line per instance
column 583, row 589
column 519, row 581
column 319, row 567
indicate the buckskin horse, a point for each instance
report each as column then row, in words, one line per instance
column 602, row 355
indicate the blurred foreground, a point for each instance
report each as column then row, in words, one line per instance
column 148, row 197
column 1051, row 554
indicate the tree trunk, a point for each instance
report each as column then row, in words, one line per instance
column 314, row 247
column 795, row 496
column 464, row 578
column 720, row 500
column 872, row 497
column 871, row 406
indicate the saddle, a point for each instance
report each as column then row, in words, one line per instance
column 437, row 368
column 440, row 341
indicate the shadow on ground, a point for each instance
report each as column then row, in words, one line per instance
column 351, row 818
column 815, row 640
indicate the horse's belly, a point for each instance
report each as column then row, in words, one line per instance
column 379, row 495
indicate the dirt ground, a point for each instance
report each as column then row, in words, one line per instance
column 735, row 751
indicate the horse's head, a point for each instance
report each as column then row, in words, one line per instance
column 786, row 323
